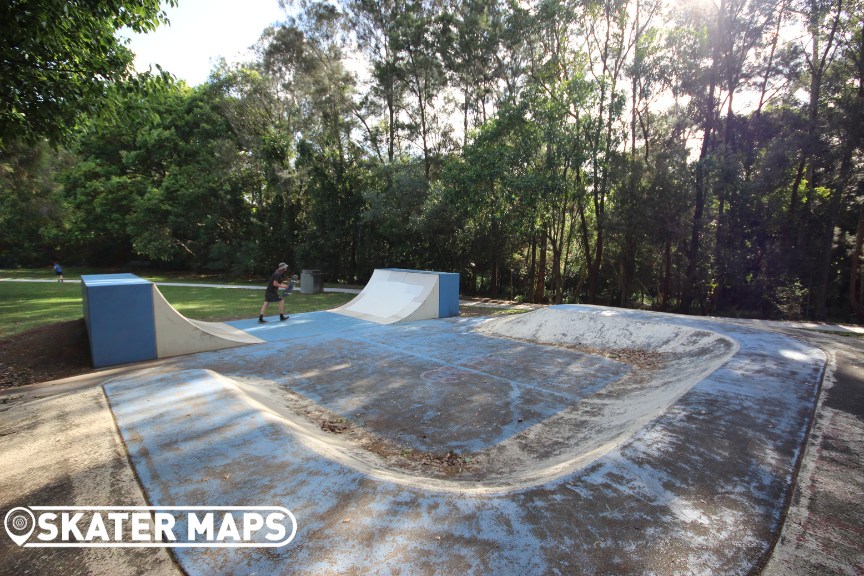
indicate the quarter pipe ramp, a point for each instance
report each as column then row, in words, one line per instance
column 129, row 320
column 394, row 295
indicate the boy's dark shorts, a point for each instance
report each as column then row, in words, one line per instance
column 272, row 296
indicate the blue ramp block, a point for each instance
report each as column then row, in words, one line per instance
column 118, row 311
column 448, row 294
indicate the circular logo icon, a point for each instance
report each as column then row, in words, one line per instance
column 19, row 523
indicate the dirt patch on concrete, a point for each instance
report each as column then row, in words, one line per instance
column 403, row 457
column 45, row 353
column 640, row 358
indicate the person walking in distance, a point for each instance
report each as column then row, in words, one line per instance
column 271, row 294
column 58, row 271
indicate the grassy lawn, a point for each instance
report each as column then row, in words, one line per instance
column 220, row 304
column 24, row 306
column 75, row 273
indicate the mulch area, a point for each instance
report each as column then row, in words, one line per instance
column 45, row 353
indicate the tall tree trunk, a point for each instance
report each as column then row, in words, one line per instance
column 532, row 271
column 820, row 296
column 496, row 236
column 558, row 240
column 790, row 223
column 855, row 268
column 465, row 106
column 856, row 296
column 628, row 268
column 691, row 285
column 817, row 63
column 391, row 112
column 628, row 257
column 540, row 286
column 667, row 275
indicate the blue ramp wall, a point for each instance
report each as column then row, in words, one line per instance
column 118, row 311
column 448, row 290
column 448, row 294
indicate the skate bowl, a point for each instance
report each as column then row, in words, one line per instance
column 395, row 295
column 563, row 425
column 667, row 361
column 572, row 439
column 129, row 320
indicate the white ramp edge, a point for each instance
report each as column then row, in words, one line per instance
column 177, row 335
column 395, row 296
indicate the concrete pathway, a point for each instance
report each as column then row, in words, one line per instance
column 823, row 531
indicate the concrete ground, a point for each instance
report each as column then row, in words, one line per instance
column 439, row 447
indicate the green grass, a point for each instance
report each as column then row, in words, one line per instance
column 220, row 304
column 24, row 306
column 75, row 273
column 47, row 273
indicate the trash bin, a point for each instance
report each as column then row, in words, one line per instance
column 311, row 282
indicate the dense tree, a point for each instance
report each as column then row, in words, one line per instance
column 32, row 215
column 374, row 22
column 699, row 157
column 165, row 184
column 327, row 156
column 57, row 57
column 493, row 188
column 471, row 47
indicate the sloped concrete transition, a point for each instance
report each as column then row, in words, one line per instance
column 571, row 439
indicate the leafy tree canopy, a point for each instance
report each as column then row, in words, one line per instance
column 56, row 56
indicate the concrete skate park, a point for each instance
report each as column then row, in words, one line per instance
column 407, row 439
